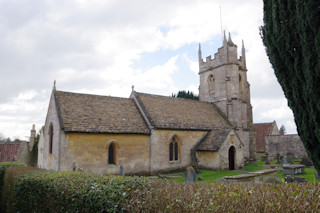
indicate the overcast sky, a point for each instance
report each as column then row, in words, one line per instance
column 105, row 47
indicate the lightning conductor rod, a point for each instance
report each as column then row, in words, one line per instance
column 221, row 24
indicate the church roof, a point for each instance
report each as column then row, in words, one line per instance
column 213, row 140
column 178, row 113
column 98, row 114
column 262, row 129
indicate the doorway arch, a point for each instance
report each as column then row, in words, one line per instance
column 232, row 157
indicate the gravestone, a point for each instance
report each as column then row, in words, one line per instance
column 74, row 166
column 190, row 174
column 267, row 158
column 306, row 161
column 278, row 158
column 295, row 169
column 290, row 158
column 121, row 170
column 284, row 161
column 317, row 174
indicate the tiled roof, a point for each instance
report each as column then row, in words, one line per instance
column 262, row 129
column 8, row 151
column 214, row 140
column 178, row 113
column 98, row 114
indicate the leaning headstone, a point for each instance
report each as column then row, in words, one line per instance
column 121, row 170
column 190, row 174
column 290, row 158
column 278, row 158
column 267, row 158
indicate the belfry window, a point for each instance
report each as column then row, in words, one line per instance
column 240, row 83
column 211, row 83
column 174, row 150
column 50, row 138
column 111, row 154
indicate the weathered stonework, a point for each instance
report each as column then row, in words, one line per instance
column 223, row 81
column 283, row 144
column 220, row 160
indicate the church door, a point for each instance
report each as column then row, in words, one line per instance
column 232, row 156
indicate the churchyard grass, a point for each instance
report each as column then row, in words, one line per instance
column 206, row 175
column 308, row 175
column 212, row 176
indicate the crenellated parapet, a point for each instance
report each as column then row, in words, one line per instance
column 227, row 54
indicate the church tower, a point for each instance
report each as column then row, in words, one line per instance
column 223, row 81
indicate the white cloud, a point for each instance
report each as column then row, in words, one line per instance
column 90, row 46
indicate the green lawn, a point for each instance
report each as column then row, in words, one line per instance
column 308, row 175
column 211, row 176
column 206, row 175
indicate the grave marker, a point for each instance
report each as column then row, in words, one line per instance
column 190, row 174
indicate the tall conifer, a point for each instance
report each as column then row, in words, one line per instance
column 291, row 34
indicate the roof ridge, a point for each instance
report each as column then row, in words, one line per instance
column 86, row 94
column 187, row 99
column 263, row 123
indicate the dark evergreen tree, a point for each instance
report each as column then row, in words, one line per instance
column 184, row 94
column 282, row 130
column 291, row 34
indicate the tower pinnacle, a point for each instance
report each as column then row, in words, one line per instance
column 224, row 38
column 243, row 53
column 199, row 53
column 229, row 40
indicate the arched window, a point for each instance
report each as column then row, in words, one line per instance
column 50, row 138
column 111, row 154
column 211, row 83
column 174, row 150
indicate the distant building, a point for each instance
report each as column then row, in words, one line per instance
column 269, row 140
column 9, row 150
column 262, row 130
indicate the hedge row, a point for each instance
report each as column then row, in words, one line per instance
column 49, row 191
column 11, row 176
column 3, row 166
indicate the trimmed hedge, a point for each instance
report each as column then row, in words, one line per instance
column 49, row 191
column 3, row 167
column 8, row 195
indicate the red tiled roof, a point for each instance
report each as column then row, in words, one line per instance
column 262, row 129
column 8, row 151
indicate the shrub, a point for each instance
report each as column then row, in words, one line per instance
column 8, row 195
column 164, row 196
column 50, row 191
column 3, row 167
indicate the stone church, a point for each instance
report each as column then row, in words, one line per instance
column 150, row 134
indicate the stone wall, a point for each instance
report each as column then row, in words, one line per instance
column 89, row 152
column 219, row 160
column 283, row 144
column 160, row 140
